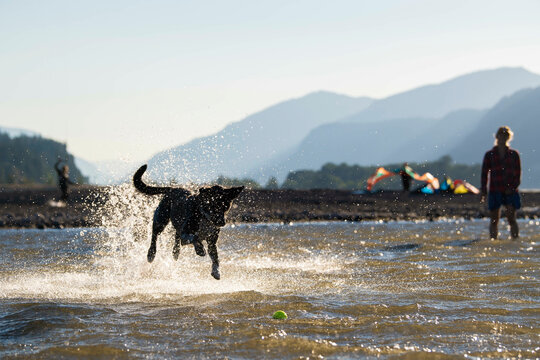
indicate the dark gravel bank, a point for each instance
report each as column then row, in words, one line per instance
column 34, row 207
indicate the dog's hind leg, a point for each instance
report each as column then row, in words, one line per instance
column 161, row 219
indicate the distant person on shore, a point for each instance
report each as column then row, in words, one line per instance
column 503, row 166
column 63, row 179
column 406, row 176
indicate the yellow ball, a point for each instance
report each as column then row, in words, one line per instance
column 280, row 315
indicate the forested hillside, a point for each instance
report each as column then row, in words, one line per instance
column 30, row 160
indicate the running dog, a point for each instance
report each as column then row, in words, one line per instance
column 195, row 217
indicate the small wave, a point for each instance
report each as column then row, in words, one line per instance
column 461, row 242
column 33, row 320
column 402, row 247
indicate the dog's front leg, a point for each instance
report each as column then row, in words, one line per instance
column 161, row 219
column 157, row 228
column 176, row 247
column 213, row 253
column 152, row 249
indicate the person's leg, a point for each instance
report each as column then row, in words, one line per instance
column 494, row 223
column 495, row 200
column 511, row 216
column 64, row 193
column 406, row 183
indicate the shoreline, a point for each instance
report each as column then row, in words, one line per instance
column 36, row 207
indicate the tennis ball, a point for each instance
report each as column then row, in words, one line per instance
column 280, row 315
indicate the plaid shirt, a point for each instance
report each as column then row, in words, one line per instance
column 504, row 174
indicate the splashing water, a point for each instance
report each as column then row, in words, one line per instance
column 111, row 260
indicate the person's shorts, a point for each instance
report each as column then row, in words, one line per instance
column 496, row 199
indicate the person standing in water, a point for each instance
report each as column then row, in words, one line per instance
column 406, row 173
column 63, row 179
column 503, row 165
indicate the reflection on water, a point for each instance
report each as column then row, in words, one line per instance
column 350, row 290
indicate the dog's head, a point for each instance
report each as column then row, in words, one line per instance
column 215, row 201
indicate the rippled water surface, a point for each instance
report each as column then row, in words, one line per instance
column 351, row 290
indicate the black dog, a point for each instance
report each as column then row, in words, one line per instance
column 195, row 217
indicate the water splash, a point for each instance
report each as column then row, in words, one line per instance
column 116, row 267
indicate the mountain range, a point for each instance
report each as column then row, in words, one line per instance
column 478, row 90
column 382, row 142
column 417, row 125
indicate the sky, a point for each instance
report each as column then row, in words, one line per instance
column 125, row 79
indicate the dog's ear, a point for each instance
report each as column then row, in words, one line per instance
column 234, row 192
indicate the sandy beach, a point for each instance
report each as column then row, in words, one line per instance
column 38, row 206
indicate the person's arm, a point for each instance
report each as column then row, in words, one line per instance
column 516, row 173
column 485, row 170
column 58, row 170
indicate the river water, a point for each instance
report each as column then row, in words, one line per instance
column 351, row 290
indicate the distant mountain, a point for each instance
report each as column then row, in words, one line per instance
column 249, row 143
column 478, row 90
column 353, row 143
column 521, row 112
column 389, row 141
column 438, row 138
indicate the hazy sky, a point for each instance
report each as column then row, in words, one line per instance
column 124, row 79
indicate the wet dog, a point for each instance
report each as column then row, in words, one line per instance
column 195, row 217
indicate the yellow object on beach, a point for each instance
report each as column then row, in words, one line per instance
column 280, row 315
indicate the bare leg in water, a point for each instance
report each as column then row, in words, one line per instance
column 494, row 223
column 511, row 216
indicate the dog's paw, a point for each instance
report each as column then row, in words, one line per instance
column 151, row 254
column 199, row 248
column 215, row 272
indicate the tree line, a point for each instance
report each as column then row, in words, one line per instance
column 352, row 177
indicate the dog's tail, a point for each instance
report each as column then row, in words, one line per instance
column 145, row 189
